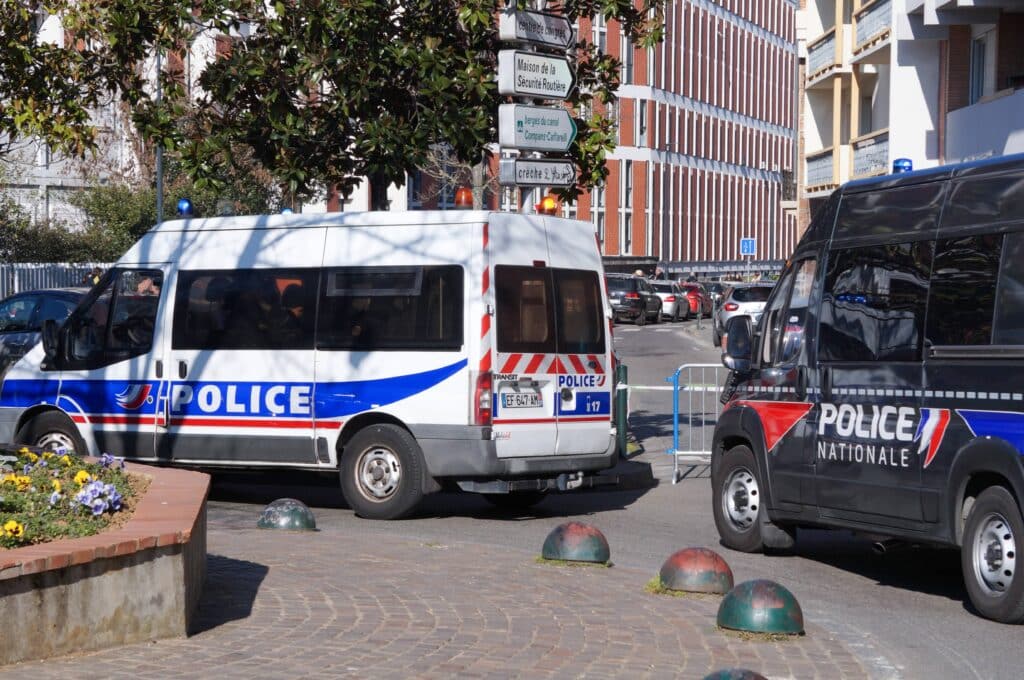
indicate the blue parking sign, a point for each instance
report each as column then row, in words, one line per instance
column 748, row 246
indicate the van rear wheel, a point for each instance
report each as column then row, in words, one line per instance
column 382, row 472
column 990, row 556
column 52, row 430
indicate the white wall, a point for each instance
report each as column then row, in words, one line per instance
column 990, row 128
column 913, row 105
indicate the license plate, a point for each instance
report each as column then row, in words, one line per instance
column 521, row 400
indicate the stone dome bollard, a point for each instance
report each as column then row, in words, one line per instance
column 287, row 513
column 576, row 542
column 761, row 606
column 696, row 570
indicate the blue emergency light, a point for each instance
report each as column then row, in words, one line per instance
column 184, row 207
column 902, row 165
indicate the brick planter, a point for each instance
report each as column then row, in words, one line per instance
column 139, row 582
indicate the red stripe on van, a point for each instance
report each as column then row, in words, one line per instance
column 250, row 422
column 534, row 363
column 485, row 325
column 485, row 362
column 557, row 367
column 79, row 419
column 511, row 363
column 577, row 364
column 597, row 364
column 486, row 285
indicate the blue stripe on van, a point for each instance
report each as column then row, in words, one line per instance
column 1002, row 424
column 227, row 398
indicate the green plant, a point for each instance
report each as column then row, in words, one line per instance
column 47, row 495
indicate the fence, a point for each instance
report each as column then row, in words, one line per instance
column 22, row 276
column 693, row 418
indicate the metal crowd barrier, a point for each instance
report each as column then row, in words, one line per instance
column 22, row 276
column 702, row 384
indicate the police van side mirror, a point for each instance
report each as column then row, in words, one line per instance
column 739, row 334
column 51, row 343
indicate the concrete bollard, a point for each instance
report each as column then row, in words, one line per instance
column 696, row 570
column 761, row 606
column 287, row 513
column 576, row 542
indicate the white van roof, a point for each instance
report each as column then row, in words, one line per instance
column 338, row 219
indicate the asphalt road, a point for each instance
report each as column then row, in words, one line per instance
column 904, row 614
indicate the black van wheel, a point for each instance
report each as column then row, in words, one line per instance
column 989, row 556
column 641, row 320
column 52, row 430
column 737, row 501
column 382, row 472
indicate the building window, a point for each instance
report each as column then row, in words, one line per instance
column 597, row 211
column 600, row 31
column 640, row 113
column 627, row 60
column 510, row 199
column 626, row 209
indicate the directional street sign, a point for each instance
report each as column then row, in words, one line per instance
column 536, row 173
column 535, row 128
column 748, row 246
column 531, row 74
column 539, row 28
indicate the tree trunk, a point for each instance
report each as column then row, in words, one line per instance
column 378, row 192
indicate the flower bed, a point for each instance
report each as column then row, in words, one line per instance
column 46, row 496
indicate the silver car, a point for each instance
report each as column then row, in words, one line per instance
column 744, row 299
column 673, row 300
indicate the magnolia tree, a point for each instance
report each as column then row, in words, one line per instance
column 318, row 92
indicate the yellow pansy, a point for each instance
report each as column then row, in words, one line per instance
column 23, row 450
column 47, row 455
column 66, row 460
column 56, row 485
column 22, row 482
column 31, row 457
column 82, row 477
column 13, row 528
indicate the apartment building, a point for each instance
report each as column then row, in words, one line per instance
column 707, row 140
column 931, row 81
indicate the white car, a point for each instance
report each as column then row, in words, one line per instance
column 672, row 300
column 743, row 299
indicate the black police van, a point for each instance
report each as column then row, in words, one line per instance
column 883, row 389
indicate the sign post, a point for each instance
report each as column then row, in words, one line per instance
column 537, row 70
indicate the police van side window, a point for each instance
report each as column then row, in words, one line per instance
column 391, row 308
column 525, row 315
column 245, row 309
column 1008, row 326
column 962, row 298
column 118, row 323
column 873, row 308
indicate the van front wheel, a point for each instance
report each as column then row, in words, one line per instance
column 52, row 431
column 990, row 556
column 737, row 500
column 382, row 472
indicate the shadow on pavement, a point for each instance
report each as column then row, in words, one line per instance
column 323, row 491
column 932, row 571
column 229, row 592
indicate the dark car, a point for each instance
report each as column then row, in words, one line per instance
column 633, row 298
column 22, row 316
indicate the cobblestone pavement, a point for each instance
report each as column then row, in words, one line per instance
column 326, row 604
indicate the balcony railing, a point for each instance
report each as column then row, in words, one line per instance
column 872, row 21
column 820, row 168
column 822, row 53
column 871, row 154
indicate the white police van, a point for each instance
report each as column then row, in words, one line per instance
column 882, row 390
column 407, row 350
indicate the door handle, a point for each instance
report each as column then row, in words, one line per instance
column 800, row 388
column 826, row 384
column 159, row 368
column 566, row 394
column 182, row 369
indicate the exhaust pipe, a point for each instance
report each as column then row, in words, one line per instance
column 888, row 545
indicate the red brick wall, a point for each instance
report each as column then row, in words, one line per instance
column 1010, row 57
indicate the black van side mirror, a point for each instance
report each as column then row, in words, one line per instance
column 739, row 335
column 51, row 342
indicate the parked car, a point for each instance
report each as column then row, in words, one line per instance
column 674, row 305
column 715, row 290
column 743, row 299
column 700, row 301
column 22, row 316
column 633, row 298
